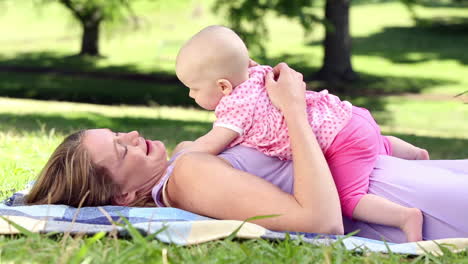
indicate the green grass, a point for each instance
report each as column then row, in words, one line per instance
column 138, row 250
column 31, row 129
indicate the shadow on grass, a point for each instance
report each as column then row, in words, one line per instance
column 173, row 131
column 85, row 89
column 367, row 85
column 435, row 39
column 49, row 76
column 169, row 131
column 56, row 60
column 73, row 64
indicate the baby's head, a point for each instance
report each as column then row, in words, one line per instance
column 211, row 64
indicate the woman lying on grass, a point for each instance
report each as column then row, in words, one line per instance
column 103, row 167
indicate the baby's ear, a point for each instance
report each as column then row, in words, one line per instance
column 225, row 86
column 123, row 199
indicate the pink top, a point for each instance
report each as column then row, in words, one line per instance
column 249, row 112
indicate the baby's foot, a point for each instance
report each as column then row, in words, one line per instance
column 412, row 224
column 422, row 154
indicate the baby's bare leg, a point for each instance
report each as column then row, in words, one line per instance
column 404, row 150
column 378, row 210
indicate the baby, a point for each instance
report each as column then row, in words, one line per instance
column 215, row 65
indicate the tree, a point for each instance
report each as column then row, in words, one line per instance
column 337, row 65
column 247, row 18
column 91, row 14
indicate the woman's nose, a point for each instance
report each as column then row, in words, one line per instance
column 134, row 134
column 130, row 138
column 134, row 137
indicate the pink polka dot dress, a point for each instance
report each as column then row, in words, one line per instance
column 249, row 112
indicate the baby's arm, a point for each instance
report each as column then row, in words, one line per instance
column 214, row 141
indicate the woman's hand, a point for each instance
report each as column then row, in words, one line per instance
column 286, row 88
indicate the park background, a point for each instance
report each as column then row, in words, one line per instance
column 410, row 58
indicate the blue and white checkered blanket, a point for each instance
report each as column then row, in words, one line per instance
column 178, row 226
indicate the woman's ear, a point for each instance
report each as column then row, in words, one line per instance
column 225, row 86
column 124, row 199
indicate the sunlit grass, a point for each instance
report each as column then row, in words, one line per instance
column 138, row 250
column 31, row 129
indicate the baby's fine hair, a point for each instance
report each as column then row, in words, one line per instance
column 217, row 47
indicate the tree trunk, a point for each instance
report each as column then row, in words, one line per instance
column 337, row 66
column 90, row 38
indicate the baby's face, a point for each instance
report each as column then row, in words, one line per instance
column 205, row 92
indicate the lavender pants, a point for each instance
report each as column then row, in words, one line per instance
column 439, row 188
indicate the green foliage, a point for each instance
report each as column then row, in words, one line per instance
column 104, row 10
column 90, row 14
column 248, row 17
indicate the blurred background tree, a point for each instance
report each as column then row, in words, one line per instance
column 91, row 14
column 247, row 17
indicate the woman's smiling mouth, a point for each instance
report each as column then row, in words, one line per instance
column 148, row 147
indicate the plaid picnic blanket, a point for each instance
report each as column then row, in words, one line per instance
column 180, row 227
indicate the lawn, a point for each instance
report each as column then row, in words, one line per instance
column 419, row 69
column 28, row 135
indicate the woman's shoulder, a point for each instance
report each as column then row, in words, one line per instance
column 189, row 162
column 192, row 170
column 179, row 166
column 181, row 146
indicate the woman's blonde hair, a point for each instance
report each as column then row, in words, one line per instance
column 71, row 177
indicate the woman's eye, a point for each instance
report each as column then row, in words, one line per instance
column 125, row 151
column 124, row 148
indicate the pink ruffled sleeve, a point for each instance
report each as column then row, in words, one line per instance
column 236, row 111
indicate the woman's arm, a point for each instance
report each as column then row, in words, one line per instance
column 207, row 185
column 313, row 184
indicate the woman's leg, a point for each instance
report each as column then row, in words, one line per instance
column 437, row 188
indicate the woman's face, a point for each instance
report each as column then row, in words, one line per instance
column 131, row 160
